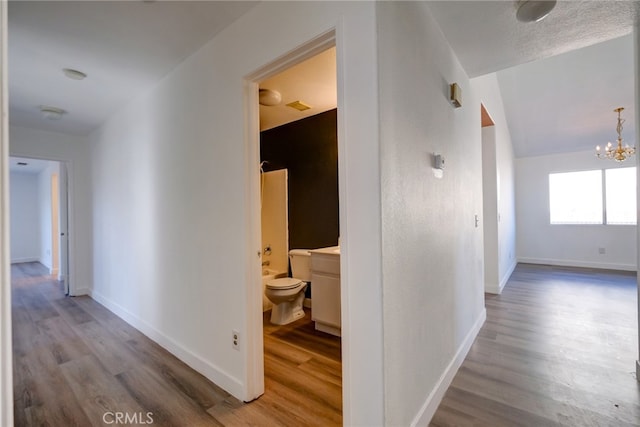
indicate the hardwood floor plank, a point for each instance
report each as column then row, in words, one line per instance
column 115, row 356
column 96, row 390
column 74, row 360
column 297, row 409
column 176, row 373
column 66, row 344
column 71, row 311
column 320, row 393
column 151, row 392
column 558, row 348
column 50, row 397
column 113, row 323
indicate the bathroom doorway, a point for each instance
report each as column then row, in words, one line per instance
column 298, row 159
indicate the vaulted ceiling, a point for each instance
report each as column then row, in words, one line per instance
column 561, row 77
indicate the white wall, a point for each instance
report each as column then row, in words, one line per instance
column 499, row 182
column 175, row 253
column 572, row 245
column 74, row 151
column 25, row 220
column 432, row 252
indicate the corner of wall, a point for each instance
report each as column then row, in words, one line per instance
column 209, row 370
column 432, row 402
column 496, row 288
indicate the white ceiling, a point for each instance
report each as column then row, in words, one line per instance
column 33, row 166
column 559, row 104
column 553, row 103
column 565, row 103
column 487, row 37
column 313, row 82
column 123, row 46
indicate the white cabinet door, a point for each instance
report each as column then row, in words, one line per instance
column 325, row 299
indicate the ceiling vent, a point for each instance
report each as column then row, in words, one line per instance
column 298, row 105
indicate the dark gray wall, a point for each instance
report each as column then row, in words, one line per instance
column 308, row 148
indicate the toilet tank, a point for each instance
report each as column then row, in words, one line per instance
column 300, row 264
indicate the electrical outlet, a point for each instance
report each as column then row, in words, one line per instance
column 602, row 251
column 236, row 340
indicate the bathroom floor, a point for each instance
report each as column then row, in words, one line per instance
column 303, row 373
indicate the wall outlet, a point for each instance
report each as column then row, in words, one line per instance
column 602, row 251
column 236, row 340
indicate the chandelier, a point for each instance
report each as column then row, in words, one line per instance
column 618, row 152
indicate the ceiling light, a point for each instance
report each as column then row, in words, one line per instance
column 52, row 113
column 298, row 105
column 534, row 10
column 617, row 153
column 269, row 97
column 74, row 74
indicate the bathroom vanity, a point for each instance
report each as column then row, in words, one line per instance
column 325, row 289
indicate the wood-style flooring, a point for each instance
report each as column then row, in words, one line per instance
column 76, row 363
column 558, row 349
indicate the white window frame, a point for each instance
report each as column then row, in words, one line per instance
column 605, row 221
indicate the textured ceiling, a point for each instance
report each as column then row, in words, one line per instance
column 123, row 46
column 560, row 78
column 487, row 37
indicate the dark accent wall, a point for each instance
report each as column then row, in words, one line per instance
column 308, row 148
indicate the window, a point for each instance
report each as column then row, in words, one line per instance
column 593, row 197
column 620, row 194
column 576, row 197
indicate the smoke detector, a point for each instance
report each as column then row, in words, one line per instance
column 52, row 113
column 74, row 74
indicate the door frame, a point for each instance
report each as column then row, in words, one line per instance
column 6, row 354
column 254, row 343
column 66, row 219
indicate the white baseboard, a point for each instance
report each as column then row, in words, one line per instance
column 212, row 372
column 576, row 263
column 430, row 405
column 81, row 292
column 26, row 259
column 497, row 289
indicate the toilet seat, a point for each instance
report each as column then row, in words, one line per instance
column 283, row 283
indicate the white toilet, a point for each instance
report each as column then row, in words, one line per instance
column 287, row 293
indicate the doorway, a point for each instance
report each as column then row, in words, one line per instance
column 300, row 234
column 38, row 203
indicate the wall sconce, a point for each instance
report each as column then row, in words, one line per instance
column 456, row 95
